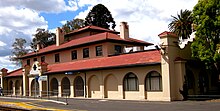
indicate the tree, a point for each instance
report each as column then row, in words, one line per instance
column 73, row 24
column 181, row 25
column 100, row 16
column 205, row 47
column 19, row 49
column 44, row 38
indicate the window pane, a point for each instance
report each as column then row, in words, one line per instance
column 98, row 50
column 131, row 82
column 85, row 52
column 74, row 54
column 43, row 59
column 118, row 49
column 57, row 58
column 153, row 82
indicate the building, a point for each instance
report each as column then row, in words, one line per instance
column 93, row 62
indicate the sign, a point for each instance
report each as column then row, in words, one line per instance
column 68, row 72
column 42, row 78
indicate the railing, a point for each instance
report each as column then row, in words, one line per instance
column 50, row 95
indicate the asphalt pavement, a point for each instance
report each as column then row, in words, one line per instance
column 77, row 104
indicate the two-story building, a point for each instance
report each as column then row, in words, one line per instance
column 93, row 62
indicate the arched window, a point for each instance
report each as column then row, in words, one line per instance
column 153, row 81
column 130, row 82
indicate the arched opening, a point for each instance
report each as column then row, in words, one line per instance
column 54, row 87
column 78, row 87
column 94, row 87
column 10, row 87
column 65, row 86
column 35, row 88
column 203, row 82
column 153, row 81
column 190, row 80
column 17, row 87
column 111, row 87
column 130, row 82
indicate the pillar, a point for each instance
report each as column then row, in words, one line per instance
column 180, row 72
column 59, row 89
column 72, row 89
column 25, row 72
column 3, row 80
column 169, row 51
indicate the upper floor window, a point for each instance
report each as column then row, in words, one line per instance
column 118, row 49
column 43, row 59
column 98, row 50
column 28, row 62
column 130, row 82
column 153, row 81
column 85, row 52
column 74, row 54
column 35, row 59
column 57, row 57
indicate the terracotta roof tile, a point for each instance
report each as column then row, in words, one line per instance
column 17, row 72
column 88, row 39
column 139, row 58
column 92, row 27
column 166, row 33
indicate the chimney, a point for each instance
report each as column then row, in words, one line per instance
column 124, row 30
column 4, row 72
column 59, row 36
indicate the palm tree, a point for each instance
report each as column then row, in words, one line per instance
column 181, row 25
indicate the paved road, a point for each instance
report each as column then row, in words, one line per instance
column 125, row 105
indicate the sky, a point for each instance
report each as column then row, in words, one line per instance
column 21, row 18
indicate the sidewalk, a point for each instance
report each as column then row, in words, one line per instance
column 30, row 104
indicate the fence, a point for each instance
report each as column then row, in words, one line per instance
column 50, row 95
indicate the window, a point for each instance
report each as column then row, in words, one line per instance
column 57, row 58
column 43, row 59
column 85, row 52
column 74, row 54
column 118, row 49
column 28, row 62
column 130, row 82
column 153, row 81
column 35, row 59
column 98, row 50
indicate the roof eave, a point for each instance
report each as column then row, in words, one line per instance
column 105, row 68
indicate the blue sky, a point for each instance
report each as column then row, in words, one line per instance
column 21, row 18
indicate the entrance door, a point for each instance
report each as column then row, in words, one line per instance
column 78, row 87
column 35, row 88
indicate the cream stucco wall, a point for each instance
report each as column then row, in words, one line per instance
column 109, row 83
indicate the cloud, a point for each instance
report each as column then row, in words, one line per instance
column 48, row 6
column 146, row 18
column 63, row 22
column 16, row 23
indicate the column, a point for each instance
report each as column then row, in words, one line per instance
column 71, row 89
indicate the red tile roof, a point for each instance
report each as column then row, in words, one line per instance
column 132, row 59
column 89, row 39
column 166, row 33
column 94, row 28
column 17, row 72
